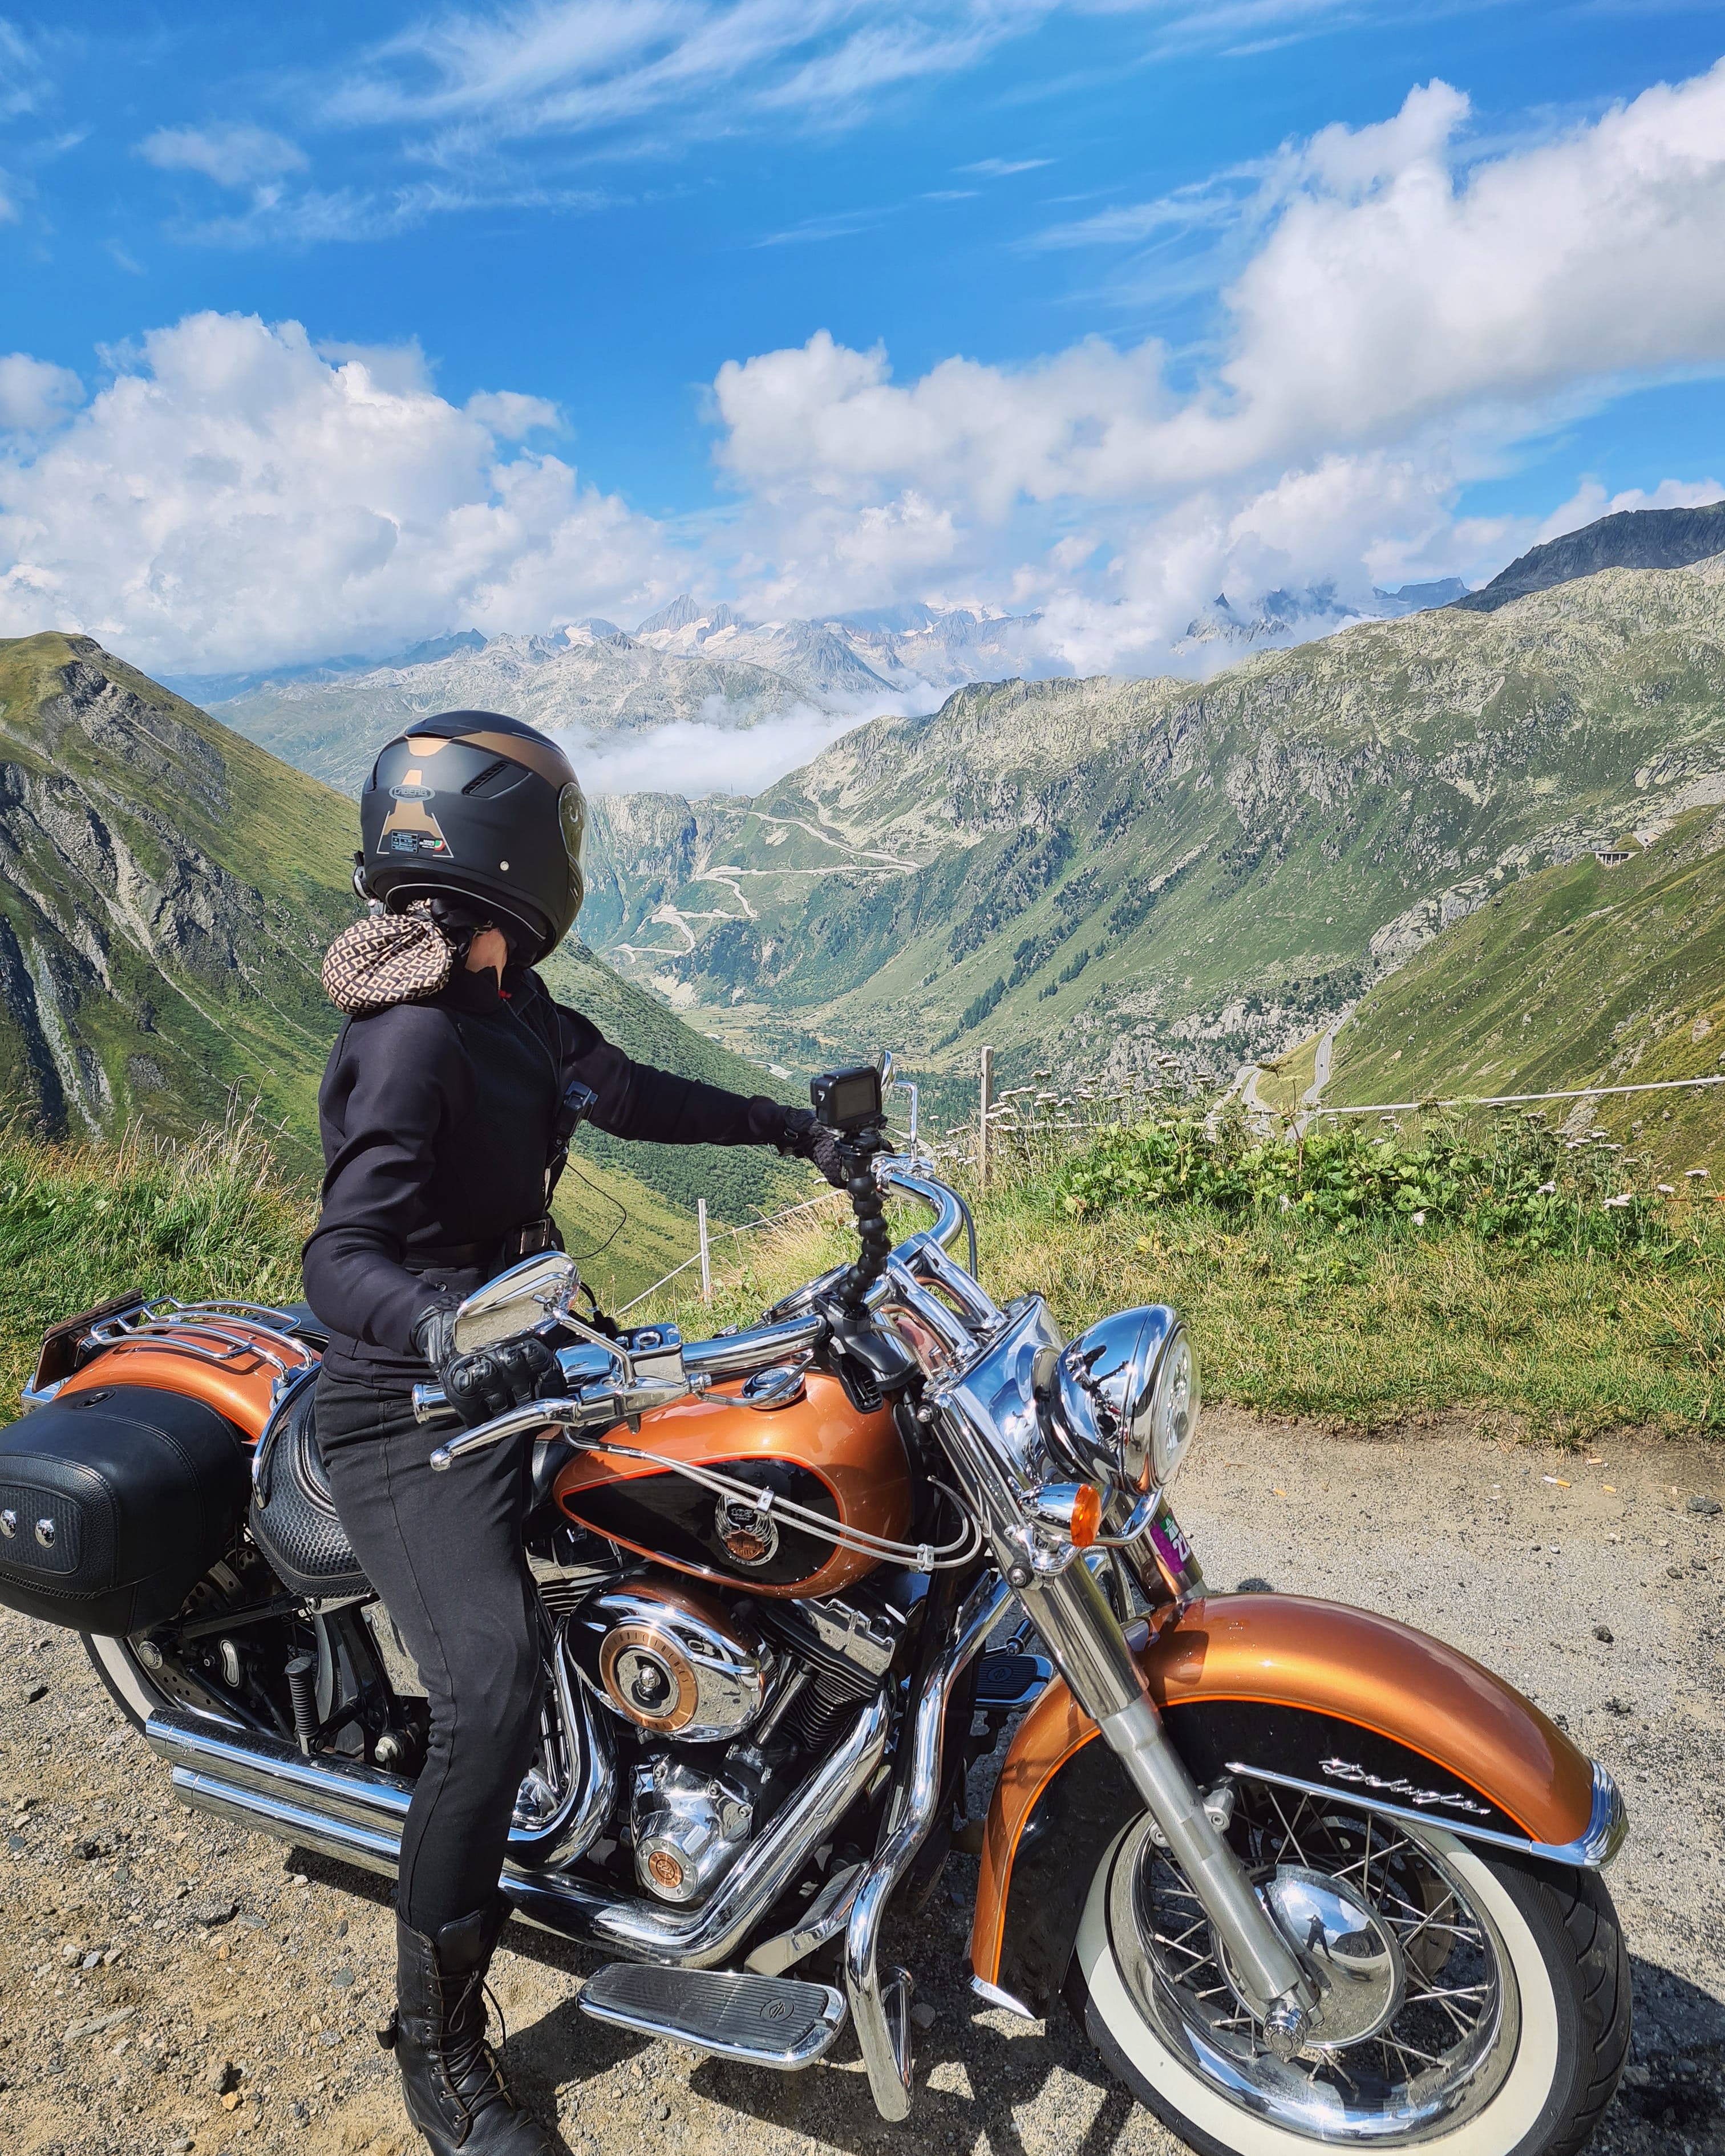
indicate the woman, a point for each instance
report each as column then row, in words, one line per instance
column 448, row 1099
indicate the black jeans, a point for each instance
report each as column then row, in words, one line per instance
column 444, row 1552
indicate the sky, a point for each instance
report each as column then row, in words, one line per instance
column 333, row 329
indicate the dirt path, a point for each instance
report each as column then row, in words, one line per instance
column 169, row 1984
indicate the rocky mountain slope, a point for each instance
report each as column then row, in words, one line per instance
column 1632, row 539
column 166, row 893
column 1100, row 875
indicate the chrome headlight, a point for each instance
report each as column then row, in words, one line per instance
column 1127, row 1403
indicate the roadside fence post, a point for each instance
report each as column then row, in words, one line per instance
column 706, row 1263
column 981, row 1127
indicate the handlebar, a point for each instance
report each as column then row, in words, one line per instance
column 732, row 1354
column 898, row 1173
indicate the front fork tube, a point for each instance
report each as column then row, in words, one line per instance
column 1085, row 1637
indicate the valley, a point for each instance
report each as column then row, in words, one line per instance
column 1116, row 884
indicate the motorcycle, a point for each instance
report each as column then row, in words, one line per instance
column 1301, row 1872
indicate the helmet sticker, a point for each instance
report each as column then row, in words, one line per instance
column 410, row 827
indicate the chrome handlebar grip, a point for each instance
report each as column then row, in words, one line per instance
column 736, row 1352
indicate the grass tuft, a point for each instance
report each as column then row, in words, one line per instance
column 211, row 1215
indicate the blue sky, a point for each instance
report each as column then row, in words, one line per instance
column 777, row 300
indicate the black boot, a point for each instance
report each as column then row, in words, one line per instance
column 454, row 2087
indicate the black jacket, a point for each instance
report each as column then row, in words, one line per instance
column 437, row 1120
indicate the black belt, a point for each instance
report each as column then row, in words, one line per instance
column 526, row 1241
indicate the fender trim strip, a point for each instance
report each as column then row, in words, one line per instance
column 1592, row 1849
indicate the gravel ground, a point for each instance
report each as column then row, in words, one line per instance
column 171, row 1984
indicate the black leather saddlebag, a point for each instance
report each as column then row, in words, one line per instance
column 114, row 1503
column 294, row 1519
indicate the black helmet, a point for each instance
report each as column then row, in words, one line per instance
column 481, row 808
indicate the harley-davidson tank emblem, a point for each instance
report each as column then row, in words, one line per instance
column 1348, row 1770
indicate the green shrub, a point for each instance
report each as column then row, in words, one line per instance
column 1522, row 1184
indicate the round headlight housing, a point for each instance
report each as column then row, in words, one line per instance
column 1127, row 1399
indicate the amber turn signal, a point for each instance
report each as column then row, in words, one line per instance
column 1086, row 1515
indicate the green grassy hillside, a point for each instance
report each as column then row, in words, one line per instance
column 1579, row 975
column 1095, row 874
column 1403, row 1280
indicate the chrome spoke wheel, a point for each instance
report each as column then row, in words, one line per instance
column 1418, row 2012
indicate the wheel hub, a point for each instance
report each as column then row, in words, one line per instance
column 1351, row 1959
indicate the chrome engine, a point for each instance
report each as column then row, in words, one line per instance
column 670, row 1660
column 687, row 1825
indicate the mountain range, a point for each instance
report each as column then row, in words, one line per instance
column 690, row 663
column 1101, row 876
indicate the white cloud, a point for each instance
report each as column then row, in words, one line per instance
column 466, row 79
column 694, row 756
column 582, row 67
column 512, row 417
column 33, row 393
column 25, row 77
column 1404, row 318
column 235, row 156
column 1406, row 314
column 233, row 497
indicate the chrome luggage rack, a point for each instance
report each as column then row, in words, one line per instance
column 209, row 1332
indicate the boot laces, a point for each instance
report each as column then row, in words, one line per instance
column 473, row 2071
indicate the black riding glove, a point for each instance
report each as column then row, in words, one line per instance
column 806, row 1139
column 490, row 1380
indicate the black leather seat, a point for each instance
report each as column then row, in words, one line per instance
column 293, row 1518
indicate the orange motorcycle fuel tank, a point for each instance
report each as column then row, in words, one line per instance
column 817, row 1451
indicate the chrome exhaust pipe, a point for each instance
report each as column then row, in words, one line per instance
column 341, row 1808
column 353, row 1813
column 345, row 1808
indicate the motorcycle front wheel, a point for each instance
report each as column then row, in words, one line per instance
column 1470, row 2005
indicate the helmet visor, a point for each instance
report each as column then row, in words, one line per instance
column 572, row 815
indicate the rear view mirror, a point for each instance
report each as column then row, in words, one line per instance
column 538, row 1288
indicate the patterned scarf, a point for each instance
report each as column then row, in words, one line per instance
column 387, row 958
